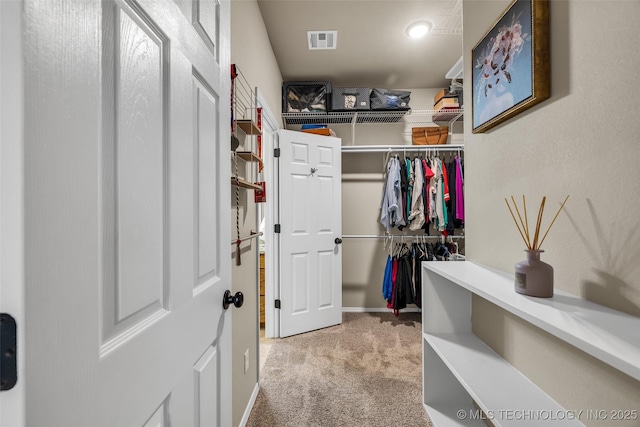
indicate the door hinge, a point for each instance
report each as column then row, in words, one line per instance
column 277, row 228
column 277, row 303
column 276, row 152
column 8, row 352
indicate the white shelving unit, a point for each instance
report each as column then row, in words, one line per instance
column 459, row 369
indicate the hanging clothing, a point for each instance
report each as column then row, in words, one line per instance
column 445, row 180
column 419, row 255
column 404, row 185
column 419, row 194
column 402, row 283
column 439, row 220
column 387, row 284
column 433, row 191
column 394, row 281
column 417, row 206
column 459, row 191
column 403, row 291
column 428, row 175
column 410, row 179
column 445, row 197
column 422, row 193
column 391, row 195
column 451, row 204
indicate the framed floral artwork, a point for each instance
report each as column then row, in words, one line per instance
column 511, row 64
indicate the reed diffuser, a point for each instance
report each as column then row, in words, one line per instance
column 533, row 276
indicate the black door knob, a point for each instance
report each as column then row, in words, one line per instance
column 228, row 299
column 338, row 240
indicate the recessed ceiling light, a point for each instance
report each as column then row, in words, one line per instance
column 418, row 29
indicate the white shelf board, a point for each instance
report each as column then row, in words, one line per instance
column 506, row 395
column 249, row 156
column 249, row 127
column 457, row 71
column 447, row 415
column 608, row 335
column 245, row 184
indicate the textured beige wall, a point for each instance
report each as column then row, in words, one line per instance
column 251, row 51
column 581, row 142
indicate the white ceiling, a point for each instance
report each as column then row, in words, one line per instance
column 372, row 47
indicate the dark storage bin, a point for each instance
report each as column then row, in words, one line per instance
column 350, row 98
column 306, row 97
column 387, row 99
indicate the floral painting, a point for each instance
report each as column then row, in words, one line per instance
column 509, row 64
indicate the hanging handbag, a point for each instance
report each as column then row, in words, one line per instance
column 418, row 136
column 430, row 135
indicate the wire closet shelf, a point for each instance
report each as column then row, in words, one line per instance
column 364, row 117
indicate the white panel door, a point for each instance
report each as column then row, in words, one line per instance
column 126, row 199
column 311, row 221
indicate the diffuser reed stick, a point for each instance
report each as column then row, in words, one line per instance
column 526, row 220
column 554, row 219
column 538, row 223
column 526, row 232
column 523, row 225
column 516, row 222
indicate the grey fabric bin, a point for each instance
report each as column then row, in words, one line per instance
column 306, row 97
column 350, row 98
column 389, row 99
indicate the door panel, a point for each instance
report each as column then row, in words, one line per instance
column 206, row 379
column 133, row 244
column 126, row 202
column 160, row 418
column 310, row 217
column 300, row 275
column 206, row 17
column 325, row 197
column 205, row 130
column 300, row 217
column 325, row 269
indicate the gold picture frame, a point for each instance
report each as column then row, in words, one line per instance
column 511, row 64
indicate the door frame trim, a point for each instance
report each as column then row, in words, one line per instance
column 271, row 206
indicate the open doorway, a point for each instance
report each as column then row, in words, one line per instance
column 264, row 342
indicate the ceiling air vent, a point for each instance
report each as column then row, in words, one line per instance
column 322, row 39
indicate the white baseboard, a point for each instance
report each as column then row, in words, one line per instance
column 252, row 401
column 378, row 310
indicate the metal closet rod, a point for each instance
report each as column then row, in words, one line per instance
column 400, row 148
column 251, row 236
column 408, row 236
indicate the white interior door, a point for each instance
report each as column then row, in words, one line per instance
column 311, row 221
column 126, row 197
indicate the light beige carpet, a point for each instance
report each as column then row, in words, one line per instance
column 365, row 372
